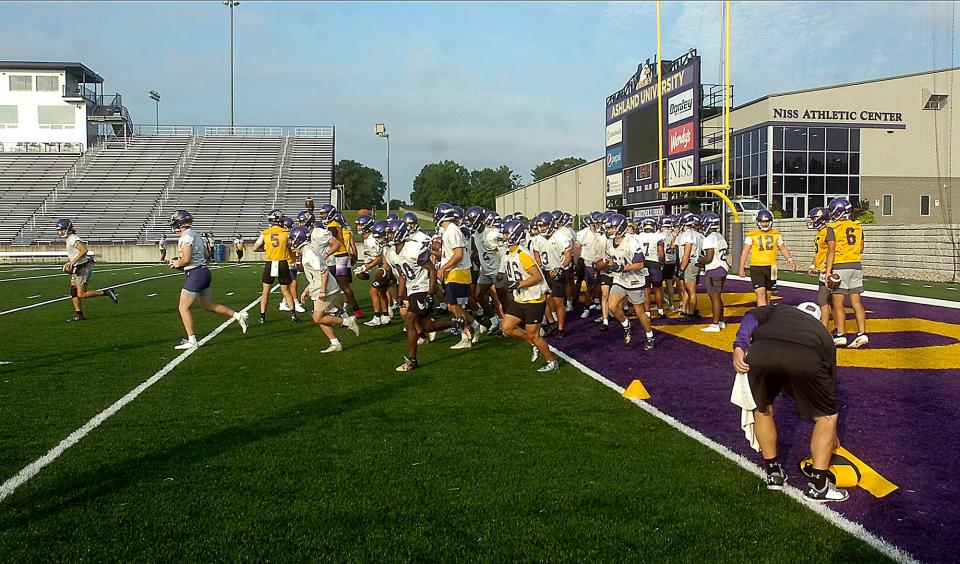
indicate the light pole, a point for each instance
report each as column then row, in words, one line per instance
column 381, row 130
column 231, row 4
column 155, row 96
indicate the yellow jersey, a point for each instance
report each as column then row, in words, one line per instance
column 339, row 233
column 347, row 239
column 275, row 243
column 849, row 243
column 763, row 246
column 820, row 249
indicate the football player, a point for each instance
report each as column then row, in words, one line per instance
column 689, row 246
column 330, row 218
column 604, row 275
column 418, row 277
column 557, row 261
column 239, row 246
column 274, row 241
column 671, row 272
column 587, row 249
column 714, row 263
column 525, row 281
column 654, row 254
column 844, row 251
column 372, row 261
column 761, row 246
column 322, row 288
column 192, row 260
column 818, row 220
column 454, row 272
column 564, row 229
column 486, row 240
column 288, row 224
column 627, row 265
column 80, row 266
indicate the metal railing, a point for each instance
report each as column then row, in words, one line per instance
column 323, row 132
column 246, row 131
column 80, row 91
column 150, row 225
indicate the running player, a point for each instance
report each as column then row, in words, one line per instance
column 604, row 275
column 80, row 266
column 273, row 241
column 761, row 246
column 524, row 280
column 689, row 246
column 587, row 249
column 322, row 288
column 196, row 286
column 330, row 217
column 288, row 224
column 627, row 265
column 844, row 251
column 485, row 238
column 558, row 261
column 454, row 271
column 714, row 263
column 651, row 242
column 372, row 261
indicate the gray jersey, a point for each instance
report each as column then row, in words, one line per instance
column 73, row 253
column 198, row 255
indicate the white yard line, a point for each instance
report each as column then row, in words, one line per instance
column 34, row 467
column 836, row 519
column 880, row 295
column 95, row 270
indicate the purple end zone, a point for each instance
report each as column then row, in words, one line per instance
column 904, row 423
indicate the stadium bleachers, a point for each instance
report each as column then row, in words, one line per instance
column 228, row 183
column 308, row 166
column 114, row 192
column 26, row 179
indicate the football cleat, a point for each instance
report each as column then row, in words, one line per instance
column 78, row 317
column 294, row 318
column 375, row 322
column 464, row 343
column 560, row 334
column 776, row 478
column 648, row 345
column 535, row 354
column 112, row 294
column 627, row 337
column 432, row 336
column 551, row 366
column 298, row 307
column 827, row 493
column 242, row 317
column 605, row 325
column 263, row 318
column 585, row 313
column 860, row 340
column 283, row 306
column 186, row 344
column 351, row 324
column 840, row 340
column 332, row 348
column 712, row 328
column 408, row 365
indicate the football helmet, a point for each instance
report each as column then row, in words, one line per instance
column 565, row 219
column 459, row 211
column 474, row 218
column 178, row 219
column 299, row 236
column 557, row 218
column 615, row 226
column 711, row 222
column 764, row 216
column 514, row 232
column 839, row 208
column 648, row 224
column 326, row 213
column 687, row 219
column 66, row 226
column 401, row 232
column 446, row 213
column 287, row 222
column 391, row 230
column 392, row 217
column 666, row 221
column 379, row 230
column 543, row 224
column 364, row 223
column 493, row 220
column 412, row 221
column 595, row 218
column 306, row 218
column 439, row 211
column 818, row 218
column 275, row 217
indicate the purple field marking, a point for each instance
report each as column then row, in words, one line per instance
column 903, row 423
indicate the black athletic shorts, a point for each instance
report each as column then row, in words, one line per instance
column 278, row 270
column 580, row 269
column 795, row 370
column 669, row 271
column 417, row 304
column 529, row 313
column 558, row 284
column 606, row 279
column 761, row 277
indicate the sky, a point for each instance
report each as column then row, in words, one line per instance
column 480, row 83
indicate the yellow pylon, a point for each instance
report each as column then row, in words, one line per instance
column 636, row 391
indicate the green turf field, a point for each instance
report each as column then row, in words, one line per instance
column 257, row 447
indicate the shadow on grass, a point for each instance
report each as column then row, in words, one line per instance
column 86, row 487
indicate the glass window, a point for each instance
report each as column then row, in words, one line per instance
column 48, row 83
column 924, row 205
column 795, row 163
column 854, row 186
column 836, row 163
column 763, row 140
column 837, row 185
column 887, row 204
column 838, row 139
column 854, row 163
column 795, row 138
column 815, row 184
column 737, row 143
column 777, row 184
column 763, row 164
column 56, row 117
column 21, row 83
column 817, row 162
column 778, row 161
column 8, row 117
column 755, row 140
column 754, row 186
column 778, row 137
column 795, row 184
column 815, row 201
column 854, row 139
column 817, row 142
column 755, row 165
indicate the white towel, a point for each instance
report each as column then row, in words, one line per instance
column 742, row 397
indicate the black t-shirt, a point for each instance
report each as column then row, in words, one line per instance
column 783, row 322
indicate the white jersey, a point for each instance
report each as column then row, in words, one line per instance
column 453, row 239
column 420, row 237
column 517, row 263
column 314, row 267
column 555, row 247
column 73, row 253
column 567, row 232
column 488, row 248
column 649, row 243
column 537, row 246
column 320, row 239
column 692, row 237
column 591, row 244
column 716, row 242
column 371, row 248
column 410, row 261
column 669, row 246
column 389, row 254
column 628, row 252
column 198, row 254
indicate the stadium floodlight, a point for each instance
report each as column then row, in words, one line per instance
column 155, row 96
column 381, row 130
column 231, row 4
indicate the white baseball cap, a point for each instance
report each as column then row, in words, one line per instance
column 811, row 308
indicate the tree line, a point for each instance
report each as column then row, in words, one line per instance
column 445, row 181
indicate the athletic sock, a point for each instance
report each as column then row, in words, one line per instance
column 192, row 339
column 649, row 334
column 625, row 323
column 334, row 342
column 818, row 478
column 771, row 462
